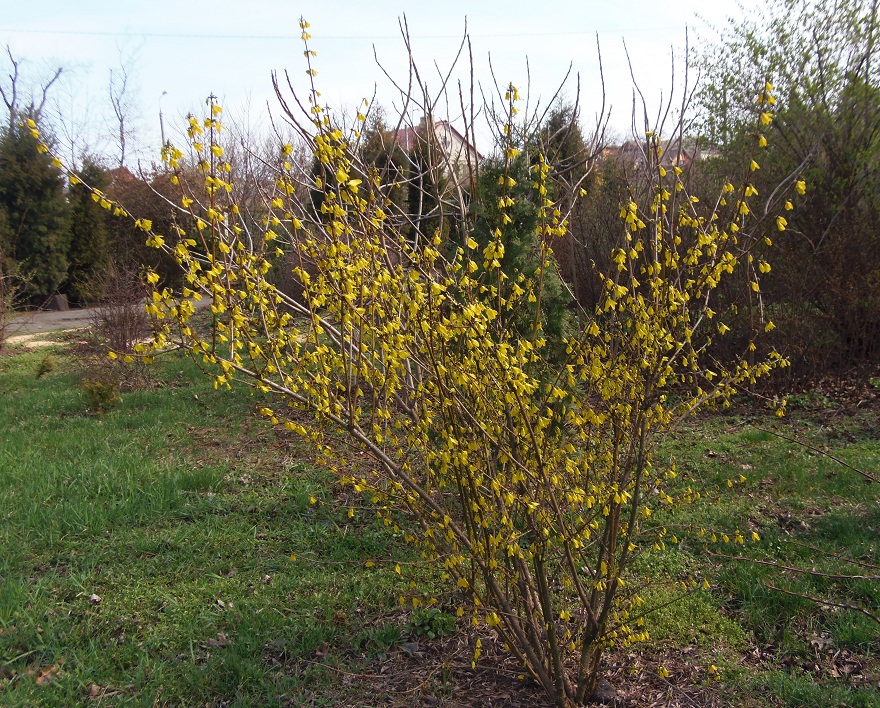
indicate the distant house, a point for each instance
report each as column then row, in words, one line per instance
column 457, row 156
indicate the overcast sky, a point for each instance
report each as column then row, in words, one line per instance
column 187, row 50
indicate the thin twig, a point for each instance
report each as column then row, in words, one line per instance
column 829, row 603
column 867, row 475
column 803, row 571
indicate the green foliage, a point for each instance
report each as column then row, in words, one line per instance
column 89, row 248
column 804, row 691
column 386, row 160
column 6, row 233
column 822, row 57
column 37, row 214
column 379, row 639
column 562, row 141
column 431, row 623
column 102, row 395
column 47, row 366
column 523, row 259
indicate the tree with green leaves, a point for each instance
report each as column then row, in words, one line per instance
column 822, row 57
column 32, row 195
column 521, row 257
column 381, row 151
column 89, row 255
column 573, row 157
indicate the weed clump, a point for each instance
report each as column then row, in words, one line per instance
column 102, row 395
column 47, row 366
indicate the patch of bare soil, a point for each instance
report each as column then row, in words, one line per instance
column 38, row 340
column 439, row 674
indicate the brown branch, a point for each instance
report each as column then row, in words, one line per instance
column 851, row 561
column 867, row 475
column 829, row 603
column 803, row 571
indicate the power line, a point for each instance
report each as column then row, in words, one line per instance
column 289, row 37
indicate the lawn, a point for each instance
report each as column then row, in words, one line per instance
column 178, row 551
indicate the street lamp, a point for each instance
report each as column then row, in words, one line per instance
column 161, row 121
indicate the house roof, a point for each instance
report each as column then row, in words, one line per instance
column 409, row 137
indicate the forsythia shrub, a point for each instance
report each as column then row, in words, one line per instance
column 529, row 478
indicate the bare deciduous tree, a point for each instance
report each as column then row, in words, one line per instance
column 14, row 91
column 122, row 93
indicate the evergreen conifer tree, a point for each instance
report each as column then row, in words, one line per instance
column 521, row 244
column 88, row 256
column 32, row 194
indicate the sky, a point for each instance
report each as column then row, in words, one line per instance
column 179, row 52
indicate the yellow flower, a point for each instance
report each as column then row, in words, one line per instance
column 800, row 187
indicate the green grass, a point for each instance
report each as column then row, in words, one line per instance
column 194, row 524
column 812, row 514
column 230, row 573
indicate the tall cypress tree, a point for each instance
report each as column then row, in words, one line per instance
column 32, row 194
column 88, row 256
column 521, row 245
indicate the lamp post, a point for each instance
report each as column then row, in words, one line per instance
column 161, row 121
